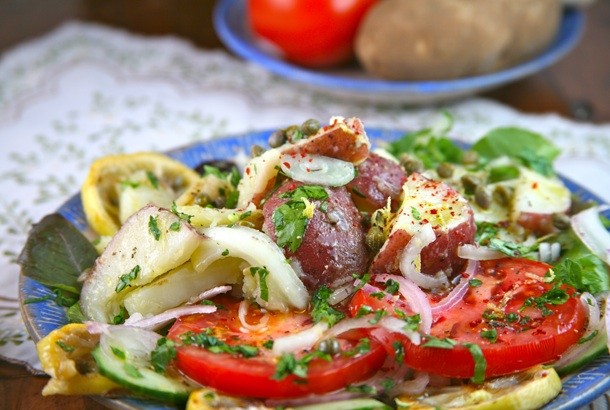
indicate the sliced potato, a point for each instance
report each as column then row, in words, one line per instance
column 135, row 257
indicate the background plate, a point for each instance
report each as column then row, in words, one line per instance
column 43, row 317
column 232, row 27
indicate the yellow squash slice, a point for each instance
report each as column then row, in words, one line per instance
column 119, row 185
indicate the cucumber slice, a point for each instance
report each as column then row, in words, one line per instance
column 586, row 353
column 123, row 356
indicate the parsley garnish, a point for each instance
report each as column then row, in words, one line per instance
column 121, row 316
column 181, row 215
column 65, row 347
column 445, row 343
column 175, row 226
column 262, row 273
column 510, row 248
column 416, row 214
column 399, row 351
column 391, row 286
column 321, row 309
column 132, row 371
column 152, row 178
column 490, row 334
column 363, row 346
column 210, row 342
column 480, row 364
column 153, row 227
column 289, row 364
column 118, row 352
column 555, row 296
column 289, row 218
column 163, row 354
column 126, row 279
column 475, row 282
column 225, row 252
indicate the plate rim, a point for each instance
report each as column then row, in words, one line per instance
column 569, row 33
column 72, row 206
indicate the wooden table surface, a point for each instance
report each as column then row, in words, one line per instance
column 577, row 87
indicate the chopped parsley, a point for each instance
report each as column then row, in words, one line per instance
column 181, row 215
column 262, row 274
column 121, row 316
column 175, row 226
column 207, row 340
column 288, row 364
column 126, row 279
column 475, row 282
column 399, row 351
column 290, row 219
column 225, row 252
column 491, row 335
column 321, row 310
column 391, row 286
column 65, row 347
column 153, row 227
column 152, row 178
column 416, row 214
column 163, row 354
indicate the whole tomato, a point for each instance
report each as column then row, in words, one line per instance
column 311, row 33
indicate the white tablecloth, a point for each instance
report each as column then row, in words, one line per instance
column 84, row 91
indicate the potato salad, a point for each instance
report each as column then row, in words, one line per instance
column 329, row 271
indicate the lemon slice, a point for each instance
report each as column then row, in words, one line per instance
column 119, row 185
column 522, row 391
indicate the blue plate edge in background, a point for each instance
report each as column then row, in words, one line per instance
column 230, row 23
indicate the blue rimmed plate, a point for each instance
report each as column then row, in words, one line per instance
column 231, row 25
column 43, row 317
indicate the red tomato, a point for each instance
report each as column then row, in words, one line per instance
column 524, row 335
column 312, row 33
column 253, row 377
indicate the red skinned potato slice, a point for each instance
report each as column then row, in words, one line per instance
column 378, row 179
column 333, row 246
column 434, row 202
column 342, row 139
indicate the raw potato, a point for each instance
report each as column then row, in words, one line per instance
column 441, row 39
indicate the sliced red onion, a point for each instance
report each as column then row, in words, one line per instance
column 340, row 294
column 412, row 387
column 395, row 325
column 208, row 294
column 415, row 298
column 303, row 340
column 458, row 292
column 589, row 229
column 349, row 324
column 410, row 258
column 478, row 253
column 246, row 327
column 317, row 169
column 97, row 328
column 158, row 321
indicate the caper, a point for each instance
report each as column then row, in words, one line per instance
column 310, row 127
column 277, row 138
column 445, row 170
column 330, row 346
column 470, row 157
column 411, row 164
column 561, row 221
column 503, row 195
column 294, row 133
column 374, row 239
column 482, row 197
column 470, row 183
column 579, row 204
column 256, row 151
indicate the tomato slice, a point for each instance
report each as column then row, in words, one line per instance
column 254, row 376
column 509, row 314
